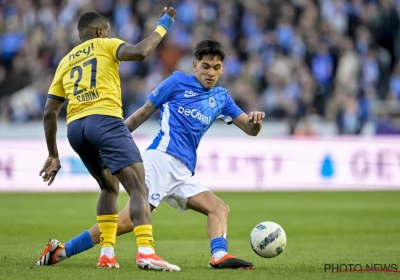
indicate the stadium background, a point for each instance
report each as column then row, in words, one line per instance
column 327, row 71
column 297, row 60
column 327, row 74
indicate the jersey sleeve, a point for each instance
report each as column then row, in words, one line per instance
column 56, row 90
column 230, row 110
column 113, row 45
column 163, row 92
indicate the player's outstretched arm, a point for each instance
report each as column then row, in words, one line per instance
column 52, row 164
column 144, row 48
column 140, row 116
column 251, row 124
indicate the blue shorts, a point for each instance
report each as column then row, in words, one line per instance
column 103, row 142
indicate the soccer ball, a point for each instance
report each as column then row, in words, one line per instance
column 268, row 239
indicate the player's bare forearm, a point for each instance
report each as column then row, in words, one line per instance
column 140, row 116
column 147, row 46
column 140, row 51
column 50, row 116
column 50, row 131
column 133, row 122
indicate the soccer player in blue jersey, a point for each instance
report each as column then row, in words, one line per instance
column 189, row 105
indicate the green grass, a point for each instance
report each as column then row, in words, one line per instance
column 334, row 228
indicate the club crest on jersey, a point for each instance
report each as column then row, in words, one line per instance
column 212, row 102
column 155, row 196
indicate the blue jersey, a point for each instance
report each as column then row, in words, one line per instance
column 187, row 112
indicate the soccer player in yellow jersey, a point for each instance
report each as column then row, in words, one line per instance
column 88, row 77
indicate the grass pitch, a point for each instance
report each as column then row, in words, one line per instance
column 322, row 228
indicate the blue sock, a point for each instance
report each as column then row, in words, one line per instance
column 218, row 244
column 78, row 244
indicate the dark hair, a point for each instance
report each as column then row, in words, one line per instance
column 209, row 48
column 89, row 19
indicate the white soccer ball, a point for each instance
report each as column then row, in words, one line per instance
column 268, row 239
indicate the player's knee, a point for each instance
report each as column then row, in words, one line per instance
column 141, row 187
column 226, row 210
column 220, row 209
column 136, row 187
column 109, row 189
column 107, row 185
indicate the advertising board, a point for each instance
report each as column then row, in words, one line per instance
column 252, row 164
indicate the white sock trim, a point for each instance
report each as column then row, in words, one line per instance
column 146, row 250
column 108, row 251
column 218, row 255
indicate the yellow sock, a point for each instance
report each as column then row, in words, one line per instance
column 144, row 236
column 108, row 230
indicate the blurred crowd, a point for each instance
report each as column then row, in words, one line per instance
column 294, row 59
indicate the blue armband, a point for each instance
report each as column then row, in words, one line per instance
column 165, row 21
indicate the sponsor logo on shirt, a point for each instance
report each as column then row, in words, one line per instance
column 194, row 113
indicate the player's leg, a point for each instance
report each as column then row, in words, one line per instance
column 214, row 208
column 107, row 206
column 217, row 213
column 55, row 251
column 125, row 224
column 121, row 155
column 107, row 218
column 86, row 240
column 186, row 193
column 95, row 127
column 194, row 196
column 132, row 177
column 89, row 238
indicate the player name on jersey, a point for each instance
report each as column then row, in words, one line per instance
column 88, row 95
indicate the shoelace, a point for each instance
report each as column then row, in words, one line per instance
column 45, row 251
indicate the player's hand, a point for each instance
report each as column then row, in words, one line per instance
column 171, row 12
column 50, row 169
column 256, row 117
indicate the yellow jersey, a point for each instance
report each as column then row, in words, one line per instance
column 88, row 77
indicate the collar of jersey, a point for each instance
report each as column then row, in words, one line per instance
column 199, row 84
